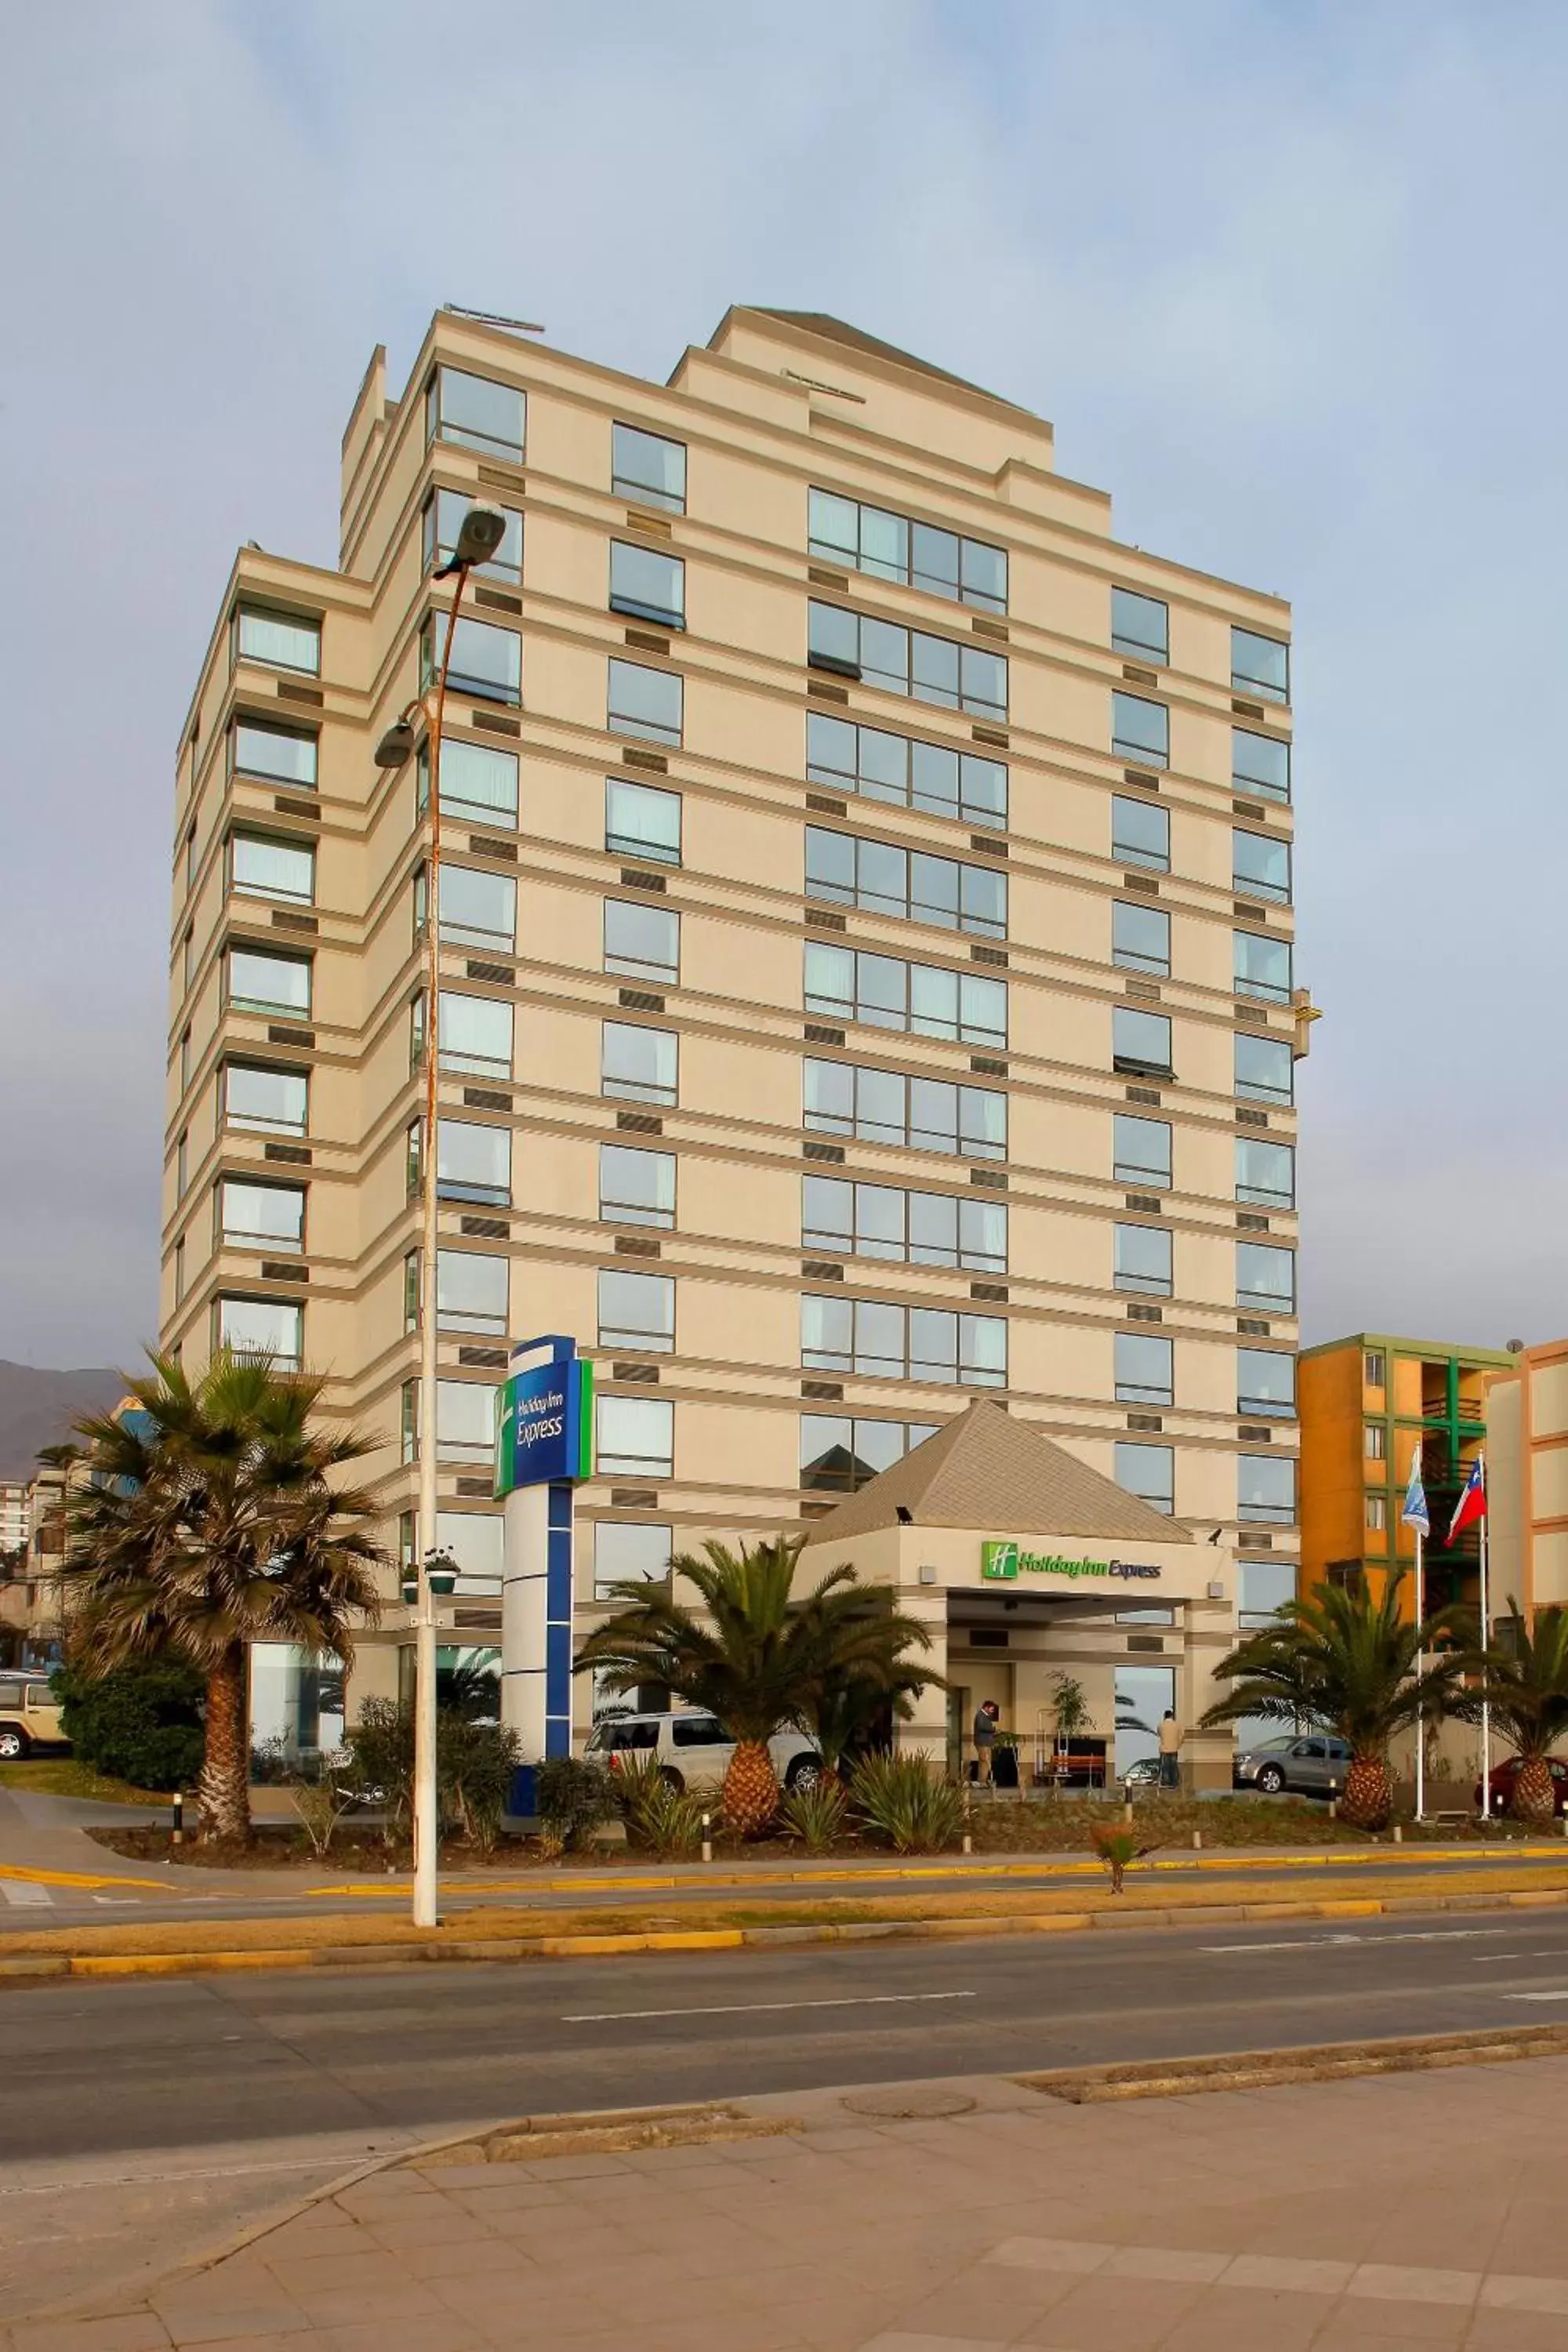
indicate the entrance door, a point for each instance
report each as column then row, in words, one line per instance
column 958, row 1713
column 1142, row 1694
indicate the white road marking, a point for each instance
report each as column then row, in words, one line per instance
column 755, row 2008
column 1537, row 1996
column 1402, row 1935
column 24, row 1890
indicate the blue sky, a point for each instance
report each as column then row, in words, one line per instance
column 1287, row 280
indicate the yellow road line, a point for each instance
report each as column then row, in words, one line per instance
column 76, row 1878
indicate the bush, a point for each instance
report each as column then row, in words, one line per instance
column 815, row 1812
column 917, row 1808
column 574, row 1798
column 474, row 1765
column 140, row 1724
column 1116, row 1846
column 668, row 1822
column 380, row 1748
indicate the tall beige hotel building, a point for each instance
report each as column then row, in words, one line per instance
column 867, row 985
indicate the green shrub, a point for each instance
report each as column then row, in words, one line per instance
column 140, row 1724
column 916, row 1807
column 1116, row 1848
column 816, row 1812
column 474, row 1766
column 380, row 1748
column 574, row 1798
column 667, row 1821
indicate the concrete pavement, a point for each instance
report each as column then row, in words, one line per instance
column 963, row 2215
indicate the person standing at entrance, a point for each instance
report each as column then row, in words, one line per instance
column 986, row 1717
column 1169, row 1751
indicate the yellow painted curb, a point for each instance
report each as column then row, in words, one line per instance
column 714, row 1939
column 173, row 1964
column 75, row 1878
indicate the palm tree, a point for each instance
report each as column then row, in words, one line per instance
column 1349, row 1661
column 207, row 1520
column 754, row 1657
column 844, row 1709
column 1525, row 1684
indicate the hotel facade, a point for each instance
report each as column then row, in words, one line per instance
column 866, row 977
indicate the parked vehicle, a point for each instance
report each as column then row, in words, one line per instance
column 1312, row 1764
column 1142, row 1774
column 29, row 1718
column 1505, row 1774
column 694, row 1748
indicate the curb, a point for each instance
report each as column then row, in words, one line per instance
column 37, row 1968
column 1322, row 2062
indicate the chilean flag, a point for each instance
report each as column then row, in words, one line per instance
column 1472, row 1502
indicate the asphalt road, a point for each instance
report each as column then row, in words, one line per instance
column 123, row 2070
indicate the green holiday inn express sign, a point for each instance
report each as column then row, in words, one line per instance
column 1004, row 1563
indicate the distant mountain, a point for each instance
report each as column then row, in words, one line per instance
column 38, row 1408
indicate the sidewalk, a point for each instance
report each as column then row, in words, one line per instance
column 955, row 2217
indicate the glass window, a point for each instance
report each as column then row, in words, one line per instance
column 1140, row 626
column 629, row 1552
column 641, row 821
column 478, row 910
column 885, row 993
column 179, row 1269
column 183, row 1164
column 445, row 511
column 475, row 1034
column 1264, row 1069
column 1376, row 1368
column 260, row 1216
column 884, row 1106
column 1149, row 1471
column 839, row 1454
column 888, row 1342
column 281, row 754
column 263, row 1327
column 636, row 1188
column 1260, row 866
column 647, row 467
column 1259, row 666
column 476, row 414
column 1264, row 1173
column 260, row 869
column 648, row 585
column 890, row 547
column 1144, row 1259
column 1377, row 1514
column 1141, row 1152
column 185, row 1058
column 1141, row 1042
column 269, row 983
column 1262, row 967
column 265, row 1102
column 464, row 1421
column 408, row 1421
column 477, row 1541
column 473, row 1163
column 475, row 782
column 1266, row 1584
column 1140, row 939
column 904, row 661
column 1266, row 1279
column 1266, row 1487
column 1265, row 1382
column 887, row 880
column 1259, row 764
column 413, row 1306
column 636, row 1436
column 885, row 767
column 887, row 1222
column 486, row 663
column 1139, row 730
column 472, row 1293
column 647, row 703
column 1141, row 834
column 636, row 1310
column 1143, row 1369
column 280, row 640
column 638, row 1065
column 642, row 941
column 1376, row 1441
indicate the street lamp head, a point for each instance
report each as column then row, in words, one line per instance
column 396, row 746
column 479, row 534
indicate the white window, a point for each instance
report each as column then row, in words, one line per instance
column 636, row 1437
column 476, row 1035
column 487, row 662
column 267, row 868
column 641, row 821
column 629, row 1552
column 1139, row 730
column 637, row 1311
column 477, row 412
column 263, row 1327
column 473, row 1162
column 268, row 1217
column 278, row 640
column 477, row 1541
column 636, row 1188
column 476, row 781
column 265, row 1102
column 279, row 753
column 464, row 1421
column 478, row 910
column 471, row 1292
column 642, row 941
column 269, row 983
column 648, row 469
column 644, row 702
column 1149, row 1471
column 638, row 1065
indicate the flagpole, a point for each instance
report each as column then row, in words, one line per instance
column 1420, row 1669
column 1486, row 1645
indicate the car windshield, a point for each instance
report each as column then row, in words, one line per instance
column 1273, row 1746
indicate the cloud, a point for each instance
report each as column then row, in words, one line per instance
column 1283, row 277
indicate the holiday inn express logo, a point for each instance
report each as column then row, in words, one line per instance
column 1003, row 1561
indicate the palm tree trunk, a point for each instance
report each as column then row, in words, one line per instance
column 225, row 1760
column 1534, row 1793
column 751, row 1789
column 1369, row 1793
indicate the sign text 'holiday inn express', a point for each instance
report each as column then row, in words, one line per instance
column 1002, row 1562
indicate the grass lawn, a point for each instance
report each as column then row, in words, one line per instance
column 62, row 1776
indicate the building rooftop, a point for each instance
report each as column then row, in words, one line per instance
column 830, row 329
column 987, row 1470
column 1435, row 1349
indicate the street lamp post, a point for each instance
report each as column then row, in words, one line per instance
column 481, row 533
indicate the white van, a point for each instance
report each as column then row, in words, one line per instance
column 693, row 1748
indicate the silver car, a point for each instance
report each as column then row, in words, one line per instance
column 1311, row 1764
